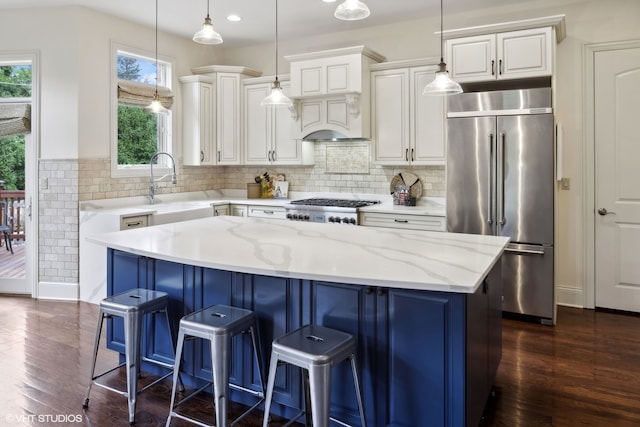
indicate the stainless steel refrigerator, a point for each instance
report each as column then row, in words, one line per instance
column 500, row 181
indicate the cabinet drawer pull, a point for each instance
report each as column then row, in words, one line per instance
column 493, row 67
column 134, row 224
column 401, row 221
column 406, row 154
column 500, row 67
column 268, row 212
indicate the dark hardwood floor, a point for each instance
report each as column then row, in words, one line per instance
column 583, row 372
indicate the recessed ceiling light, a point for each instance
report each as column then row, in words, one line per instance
column 234, row 18
column 329, row 1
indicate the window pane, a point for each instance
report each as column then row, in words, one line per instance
column 137, row 135
column 15, row 81
column 141, row 134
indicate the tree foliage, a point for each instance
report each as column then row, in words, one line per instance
column 12, row 164
column 137, row 135
column 15, row 81
column 128, row 68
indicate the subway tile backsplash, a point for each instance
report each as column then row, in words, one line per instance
column 95, row 180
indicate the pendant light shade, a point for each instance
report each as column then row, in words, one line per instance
column 442, row 85
column 352, row 10
column 207, row 35
column 276, row 98
column 155, row 106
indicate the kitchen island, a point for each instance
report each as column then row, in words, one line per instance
column 425, row 306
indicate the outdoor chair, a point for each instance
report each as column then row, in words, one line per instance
column 6, row 225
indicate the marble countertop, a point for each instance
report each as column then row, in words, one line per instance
column 373, row 256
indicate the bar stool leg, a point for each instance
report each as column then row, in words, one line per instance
column 85, row 404
column 132, row 336
column 220, row 345
column 257, row 350
column 273, row 365
column 173, row 342
column 356, row 382
column 176, row 375
column 320, row 387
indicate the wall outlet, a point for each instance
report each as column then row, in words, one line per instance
column 565, row 184
column 44, row 183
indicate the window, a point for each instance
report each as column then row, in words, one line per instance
column 15, row 108
column 139, row 134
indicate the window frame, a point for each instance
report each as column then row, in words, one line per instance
column 166, row 141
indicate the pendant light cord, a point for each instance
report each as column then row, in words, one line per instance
column 276, row 39
column 156, row 48
column 441, row 35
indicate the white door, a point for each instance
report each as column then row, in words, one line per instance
column 17, row 270
column 617, row 179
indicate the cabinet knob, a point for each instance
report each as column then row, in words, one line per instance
column 380, row 292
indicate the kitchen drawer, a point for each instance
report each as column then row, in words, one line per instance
column 271, row 212
column 137, row 221
column 409, row 222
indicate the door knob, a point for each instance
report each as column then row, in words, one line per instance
column 604, row 211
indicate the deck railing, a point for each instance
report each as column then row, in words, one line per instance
column 16, row 207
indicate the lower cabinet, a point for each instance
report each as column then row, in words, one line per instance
column 422, row 355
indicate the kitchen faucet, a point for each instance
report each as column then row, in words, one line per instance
column 152, row 183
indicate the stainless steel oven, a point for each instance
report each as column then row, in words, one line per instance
column 330, row 211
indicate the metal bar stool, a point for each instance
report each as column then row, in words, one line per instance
column 132, row 306
column 316, row 349
column 218, row 324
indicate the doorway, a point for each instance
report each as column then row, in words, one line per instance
column 18, row 254
column 613, row 200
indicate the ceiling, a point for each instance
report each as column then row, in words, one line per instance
column 296, row 18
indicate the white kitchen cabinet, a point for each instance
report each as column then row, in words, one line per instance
column 198, row 124
column 407, row 127
column 403, row 221
column 238, row 210
column 270, row 212
column 268, row 132
column 221, row 210
column 510, row 55
column 224, row 113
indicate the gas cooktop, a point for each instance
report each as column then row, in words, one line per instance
column 339, row 203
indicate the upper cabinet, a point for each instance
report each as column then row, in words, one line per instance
column 513, row 50
column 268, row 132
column 407, row 127
column 212, row 115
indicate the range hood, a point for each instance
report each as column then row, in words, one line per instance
column 330, row 90
column 327, row 135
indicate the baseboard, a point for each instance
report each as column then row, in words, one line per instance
column 58, row 291
column 570, row 297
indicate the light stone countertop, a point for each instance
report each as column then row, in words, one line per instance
column 373, row 256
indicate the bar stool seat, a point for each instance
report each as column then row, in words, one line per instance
column 132, row 306
column 218, row 324
column 316, row 349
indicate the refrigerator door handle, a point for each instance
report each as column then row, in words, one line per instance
column 490, row 186
column 525, row 251
column 501, row 219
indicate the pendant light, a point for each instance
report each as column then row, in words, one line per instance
column 352, row 10
column 156, row 106
column 276, row 98
column 442, row 84
column 207, row 35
